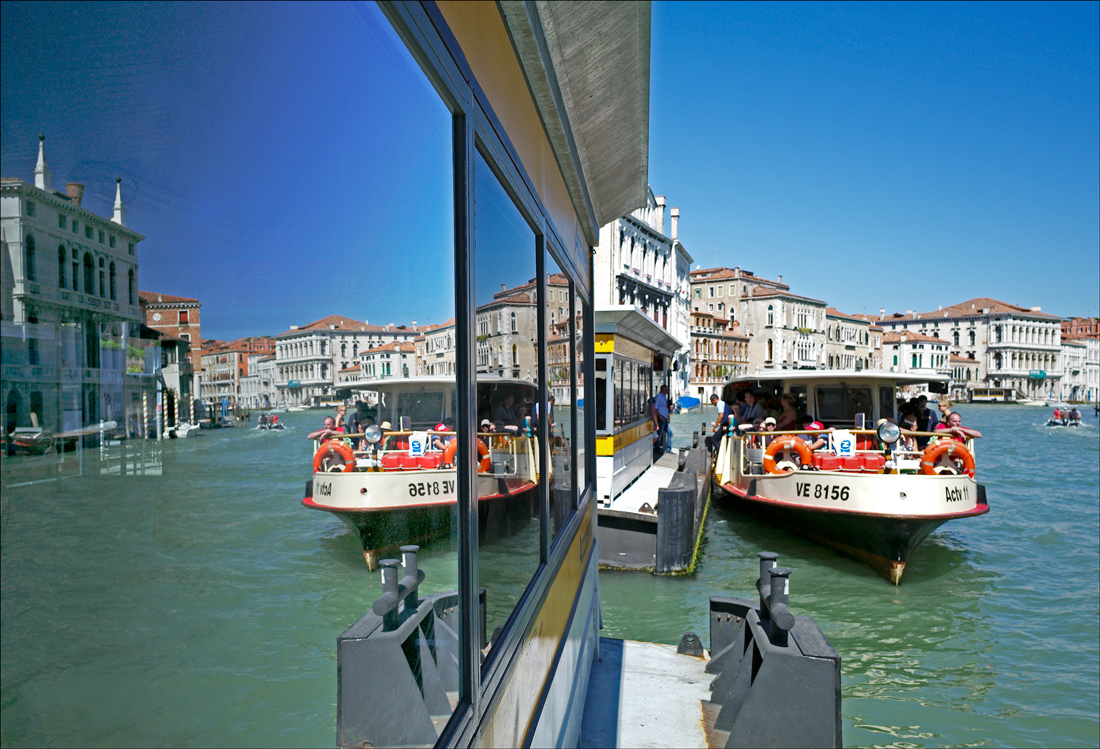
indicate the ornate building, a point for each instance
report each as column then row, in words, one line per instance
column 74, row 352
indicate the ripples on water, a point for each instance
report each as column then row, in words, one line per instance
column 202, row 608
column 992, row 638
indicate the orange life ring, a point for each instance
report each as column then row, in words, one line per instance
column 786, row 442
column 482, row 451
column 952, row 449
column 326, row 450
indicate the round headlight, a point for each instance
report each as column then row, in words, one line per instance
column 889, row 432
column 373, row 433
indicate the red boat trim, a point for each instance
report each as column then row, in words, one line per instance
column 981, row 509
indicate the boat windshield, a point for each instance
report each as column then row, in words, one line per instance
column 424, row 409
column 837, row 405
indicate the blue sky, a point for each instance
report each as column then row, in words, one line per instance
column 287, row 162
column 904, row 155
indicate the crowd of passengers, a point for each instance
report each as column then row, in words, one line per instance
column 757, row 414
column 509, row 418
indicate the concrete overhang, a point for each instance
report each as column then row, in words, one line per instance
column 624, row 320
column 587, row 65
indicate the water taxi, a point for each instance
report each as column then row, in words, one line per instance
column 399, row 486
column 861, row 493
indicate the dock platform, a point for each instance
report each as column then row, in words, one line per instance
column 644, row 694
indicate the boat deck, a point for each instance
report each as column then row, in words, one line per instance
column 644, row 694
column 644, row 489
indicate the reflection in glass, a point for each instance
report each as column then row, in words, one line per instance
column 507, row 391
column 286, row 180
column 559, row 336
column 580, row 401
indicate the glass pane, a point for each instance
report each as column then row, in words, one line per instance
column 560, row 351
column 507, row 391
column 580, row 400
column 286, row 224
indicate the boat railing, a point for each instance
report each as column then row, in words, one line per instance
column 754, row 443
column 393, row 452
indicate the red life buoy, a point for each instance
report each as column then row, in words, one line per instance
column 327, row 450
column 482, row 452
column 787, row 443
column 953, row 450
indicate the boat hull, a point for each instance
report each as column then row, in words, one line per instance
column 883, row 542
column 386, row 510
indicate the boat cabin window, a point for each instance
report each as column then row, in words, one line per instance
column 603, row 377
column 425, row 410
column 887, row 400
column 837, row 405
column 509, row 498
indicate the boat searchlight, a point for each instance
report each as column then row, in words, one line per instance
column 888, row 432
column 373, row 433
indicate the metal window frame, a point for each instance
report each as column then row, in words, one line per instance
column 476, row 128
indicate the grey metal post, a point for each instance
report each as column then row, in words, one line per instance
column 408, row 562
column 768, row 560
column 389, row 592
column 781, row 617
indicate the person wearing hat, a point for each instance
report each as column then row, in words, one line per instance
column 768, row 426
column 440, row 442
column 487, row 426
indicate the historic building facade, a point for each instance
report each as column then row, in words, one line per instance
column 850, row 342
column 73, row 352
column 1016, row 347
column 719, row 353
column 637, row 264
column 785, row 331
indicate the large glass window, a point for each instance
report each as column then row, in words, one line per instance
column 559, row 337
column 508, row 453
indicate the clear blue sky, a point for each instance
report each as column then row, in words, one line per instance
column 904, row 155
column 288, row 162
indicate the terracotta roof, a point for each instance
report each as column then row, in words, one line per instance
column 974, row 308
column 1079, row 336
column 723, row 274
column 400, row 347
column 833, row 312
column 154, row 298
column 762, row 292
column 349, row 325
column 911, row 337
column 963, row 359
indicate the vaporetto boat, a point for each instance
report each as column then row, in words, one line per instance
column 399, row 486
column 861, row 494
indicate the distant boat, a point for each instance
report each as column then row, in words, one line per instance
column 687, row 402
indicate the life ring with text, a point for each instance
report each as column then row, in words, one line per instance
column 327, row 451
column 786, row 443
column 482, row 452
column 950, row 448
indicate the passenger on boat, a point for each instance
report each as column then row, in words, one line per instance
column 506, row 412
column 341, row 418
column 788, row 417
column 753, row 410
column 262, row 421
column 926, row 420
column 327, row 432
column 721, row 422
column 953, row 427
column 487, row 426
column 768, row 426
column 907, row 442
column 816, row 440
column 944, row 406
column 439, row 441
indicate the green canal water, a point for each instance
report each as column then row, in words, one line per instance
column 201, row 607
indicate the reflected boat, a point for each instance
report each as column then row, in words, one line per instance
column 400, row 486
column 861, row 495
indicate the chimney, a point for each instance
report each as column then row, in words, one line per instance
column 1036, row 309
column 780, row 279
column 660, row 214
column 75, row 191
column 41, row 171
column 882, row 313
column 503, row 287
column 119, row 216
column 908, row 313
column 675, row 214
column 414, row 323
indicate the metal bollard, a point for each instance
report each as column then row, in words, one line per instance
column 768, row 560
column 695, row 439
column 386, row 606
column 410, row 578
column 781, row 619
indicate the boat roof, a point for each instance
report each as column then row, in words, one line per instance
column 430, row 381
column 837, row 375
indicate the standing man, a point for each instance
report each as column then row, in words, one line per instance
column 722, row 419
column 660, row 419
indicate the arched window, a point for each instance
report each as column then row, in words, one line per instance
column 30, row 270
column 89, row 275
column 771, row 319
column 515, row 355
column 102, row 278
column 972, row 338
column 62, row 261
column 133, row 282
column 770, row 347
column 113, row 281
column 515, row 328
column 76, row 272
